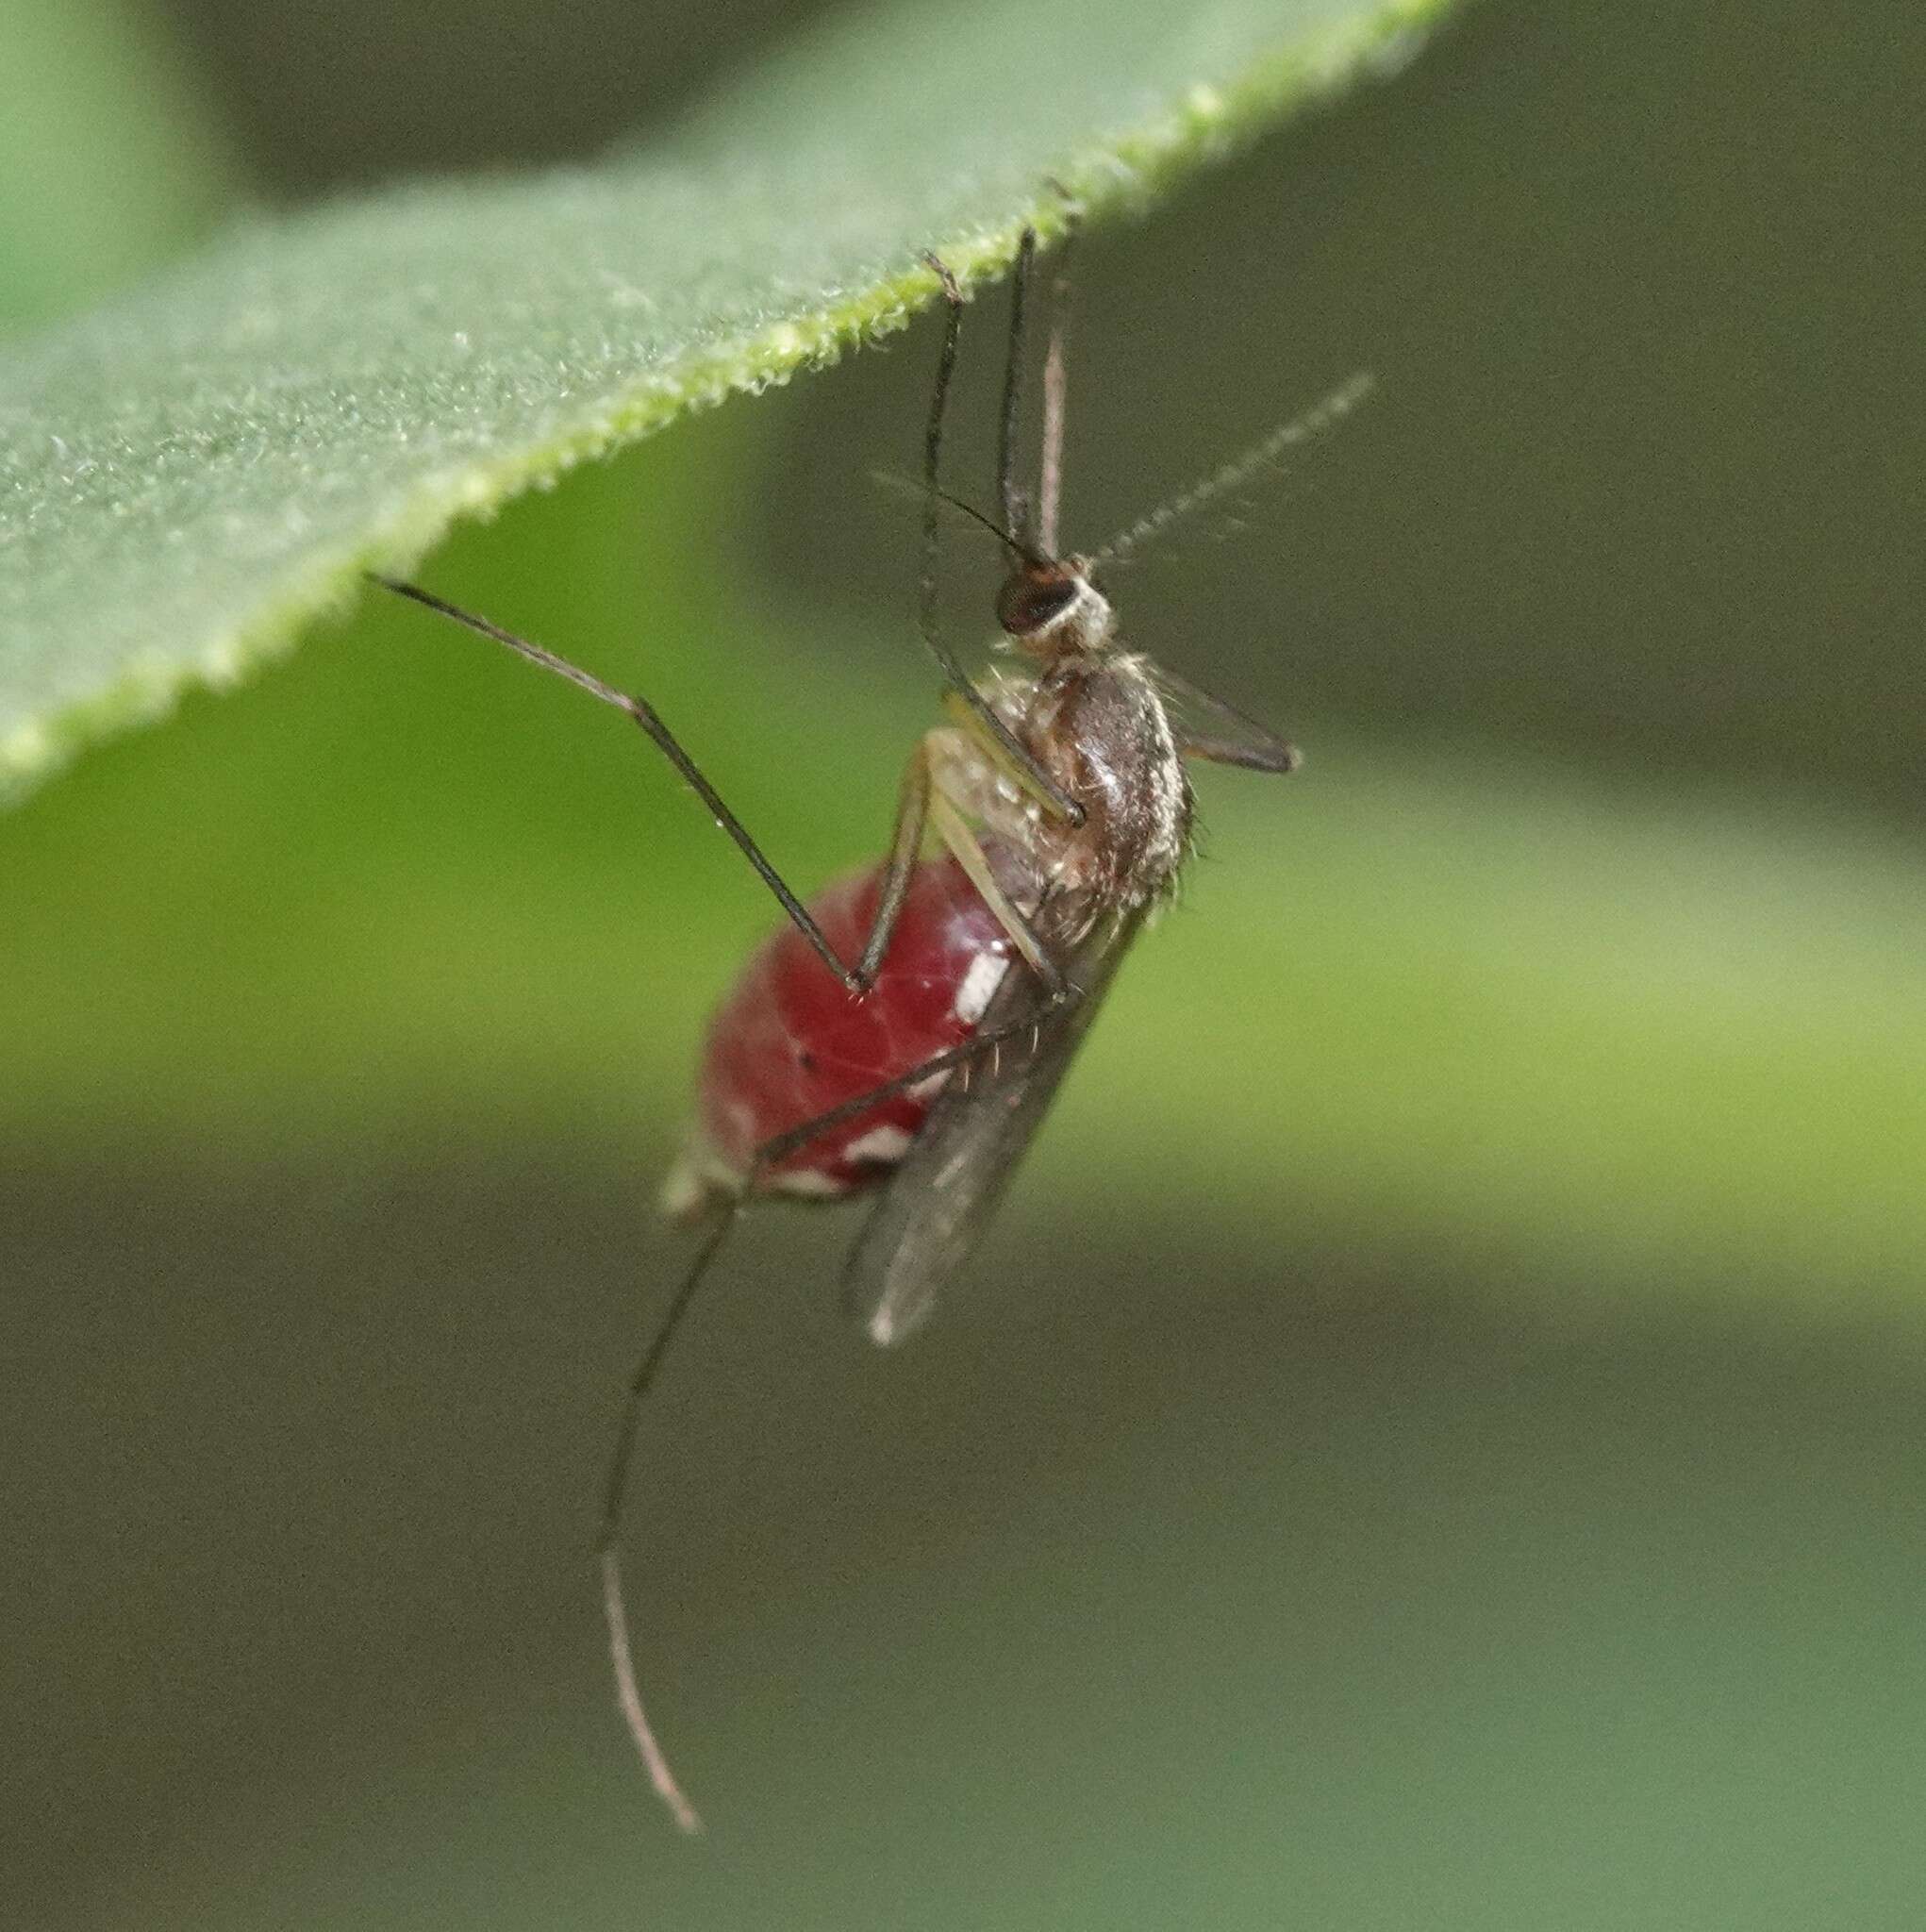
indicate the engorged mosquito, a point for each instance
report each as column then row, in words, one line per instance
column 882, row 1036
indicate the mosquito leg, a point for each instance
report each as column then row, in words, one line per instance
column 647, row 1371
column 1009, row 492
column 1056, row 377
column 1036, row 776
column 659, row 733
column 621, row 1648
column 954, row 832
column 922, row 801
column 912, row 812
column 933, row 467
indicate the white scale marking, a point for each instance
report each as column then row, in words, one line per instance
column 808, row 1181
column 885, row 1145
column 979, row 987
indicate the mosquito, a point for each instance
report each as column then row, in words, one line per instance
column 905, row 1033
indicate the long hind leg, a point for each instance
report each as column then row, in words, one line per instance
column 768, row 1157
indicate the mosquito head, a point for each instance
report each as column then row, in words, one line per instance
column 1052, row 610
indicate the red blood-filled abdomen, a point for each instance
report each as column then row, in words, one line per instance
column 790, row 1042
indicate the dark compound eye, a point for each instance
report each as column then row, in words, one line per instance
column 1032, row 600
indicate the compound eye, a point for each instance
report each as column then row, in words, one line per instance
column 1032, row 600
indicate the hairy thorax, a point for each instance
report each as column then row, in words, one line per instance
column 1097, row 726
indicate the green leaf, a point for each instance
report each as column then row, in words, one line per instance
column 191, row 474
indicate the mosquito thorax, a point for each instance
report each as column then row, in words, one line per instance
column 1051, row 609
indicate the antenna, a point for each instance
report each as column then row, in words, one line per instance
column 1240, row 468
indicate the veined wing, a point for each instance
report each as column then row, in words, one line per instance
column 937, row 1205
column 1206, row 726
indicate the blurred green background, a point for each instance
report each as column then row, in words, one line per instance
column 1435, row 1439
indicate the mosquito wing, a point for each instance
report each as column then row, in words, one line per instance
column 935, row 1206
column 1206, row 727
